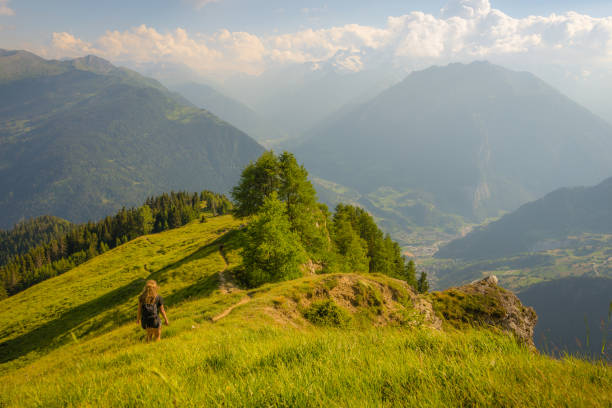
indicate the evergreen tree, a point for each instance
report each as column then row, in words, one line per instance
column 283, row 175
column 272, row 252
column 174, row 217
column 257, row 181
column 145, row 220
column 295, row 189
column 422, row 284
column 28, row 234
column 356, row 255
column 384, row 254
column 307, row 217
column 410, row 274
column 352, row 248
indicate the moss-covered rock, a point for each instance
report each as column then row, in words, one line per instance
column 483, row 303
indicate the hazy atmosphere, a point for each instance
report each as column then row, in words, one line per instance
column 567, row 43
column 306, row 204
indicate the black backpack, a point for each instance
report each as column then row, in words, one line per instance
column 149, row 311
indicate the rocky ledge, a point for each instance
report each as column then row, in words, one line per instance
column 484, row 303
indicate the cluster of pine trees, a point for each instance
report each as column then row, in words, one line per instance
column 86, row 241
column 27, row 234
column 291, row 229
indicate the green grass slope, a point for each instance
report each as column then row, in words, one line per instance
column 72, row 340
column 101, row 293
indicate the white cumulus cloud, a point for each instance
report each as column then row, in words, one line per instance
column 223, row 51
column 464, row 30
column 466, row 8
column 68, row 45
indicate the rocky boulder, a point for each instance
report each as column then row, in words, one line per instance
column 484, row 303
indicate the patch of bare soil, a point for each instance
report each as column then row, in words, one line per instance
column 226, row 286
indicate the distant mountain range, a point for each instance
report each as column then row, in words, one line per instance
column 81, row 138
column 478, row 138
column 230, row 110
column 544, row 224
column 557, row 253
column 297, row 97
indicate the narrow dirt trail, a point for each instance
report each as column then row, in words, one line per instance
column 227, row 311
column 227, row 287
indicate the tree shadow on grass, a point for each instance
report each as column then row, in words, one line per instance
column 205, row 286
column 229, row 240
column 54, row 333
column 46, row 336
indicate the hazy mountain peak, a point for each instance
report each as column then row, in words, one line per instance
column 480, row 137
column 10, row 53
column 93, row 63
column 18, row 64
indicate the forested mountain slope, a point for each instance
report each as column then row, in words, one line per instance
column 478, row 138
column 80, row 139
column 50, row 255
column 543, row 224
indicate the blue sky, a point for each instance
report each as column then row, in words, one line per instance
column 35, row 20
column 223, row 37
column 219, row 40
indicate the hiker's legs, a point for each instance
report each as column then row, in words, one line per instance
column 150, row 334
column 157, row 333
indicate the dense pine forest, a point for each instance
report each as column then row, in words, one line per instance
column 30, row 233
column 63, row 252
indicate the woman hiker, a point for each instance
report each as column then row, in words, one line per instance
column 150, row 303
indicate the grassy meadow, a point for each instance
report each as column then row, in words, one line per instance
column 72, row 341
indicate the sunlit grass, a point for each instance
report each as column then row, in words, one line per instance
column 254, row 365
column 101, row 294
column 72, row 341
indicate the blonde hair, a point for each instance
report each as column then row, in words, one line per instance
column 149, row 293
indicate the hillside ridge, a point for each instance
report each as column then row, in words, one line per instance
column 85, row 337
column 371, row 298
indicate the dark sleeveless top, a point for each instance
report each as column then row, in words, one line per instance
column 149, row 314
